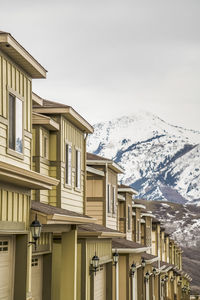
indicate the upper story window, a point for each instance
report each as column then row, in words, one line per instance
column 114, row 200
column 108, row 199
column 129, row 218
column 15, row 124
column 45, row 154
column 68, row 166
column 78, row 169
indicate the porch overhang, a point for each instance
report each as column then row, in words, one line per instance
column 25, row 178
column 47, row 122
column 130, row 250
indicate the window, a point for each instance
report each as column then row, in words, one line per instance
column 129, row 218
column 68, row 166
column 108, row 198
column 114, row 201
column 45, row 146
column 3, row 246
column 138, row 230
column 15, row 124
column 78, row 169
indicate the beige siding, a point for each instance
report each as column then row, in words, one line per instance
column 14, row 207
column 13, row 78
column 95, row 209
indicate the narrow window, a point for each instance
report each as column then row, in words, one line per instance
column 114, row 200
column 78, row 169
column 15, row 124
column 45, row 147
column 129, row 218
column 138, row 230
column 108, row 198
column 68, row 166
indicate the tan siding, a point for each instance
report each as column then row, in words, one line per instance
column 14, row 207
column 95, row 209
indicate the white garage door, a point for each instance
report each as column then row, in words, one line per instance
column 6, row 268
column 100, row 284
column 37, row 277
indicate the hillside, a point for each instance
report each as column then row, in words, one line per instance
column 183, row 224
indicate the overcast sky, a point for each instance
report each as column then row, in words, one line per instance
column 109, row 58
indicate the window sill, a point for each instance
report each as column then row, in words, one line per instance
column 77, row 189
column 15, row 153
column 67, row 186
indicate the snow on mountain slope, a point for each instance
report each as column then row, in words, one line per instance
column 160, row 160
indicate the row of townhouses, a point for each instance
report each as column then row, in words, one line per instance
column 68, row 230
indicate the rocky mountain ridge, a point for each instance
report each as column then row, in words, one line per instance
column 161, row 161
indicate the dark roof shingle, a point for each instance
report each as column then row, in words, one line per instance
column 124, row 244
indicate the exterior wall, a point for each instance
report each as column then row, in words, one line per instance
column 111, row 217
column 71, row 197
column 128, row 205
column 95, row 194
column 103, row 249
column 14, row 209
column 122, row 216
column 14, row 80
column 123, row 277
column 137, row 225
column 148, row 232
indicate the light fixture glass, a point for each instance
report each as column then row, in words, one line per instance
column 143, row 263
column 115, row 258
column 133, row 269
column 36, row 229
column 154, row 271
column 95, row 263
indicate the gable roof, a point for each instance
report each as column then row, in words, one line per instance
column 21, row 56
column 93, row 159
column 47, row 107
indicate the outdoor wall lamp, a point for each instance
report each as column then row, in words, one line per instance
column 166, row 277
column 147, row 275
column 154, row 272
column 115, row 258
column 95, row 263
column 162, row 281
column 172, row 279
column 179, row 283
column 143, row 263
column 133, row 269
column 35, row 228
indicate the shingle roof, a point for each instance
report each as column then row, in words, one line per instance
column 124, row 244
column 148, row 256
column 50, row 104
column 123, row 186
column 3, row 32
column 50, row 210
column 94, row 228
column 91, row 156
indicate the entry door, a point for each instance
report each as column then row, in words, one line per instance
column 6, row 268
column 37, row 277
column 100, row 284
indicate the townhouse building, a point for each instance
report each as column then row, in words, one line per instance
column 68, row 230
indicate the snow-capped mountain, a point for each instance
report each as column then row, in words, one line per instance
column 161, row 161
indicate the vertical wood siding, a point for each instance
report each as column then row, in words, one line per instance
column 14, row 207
column 71, row 198
column 13, row 78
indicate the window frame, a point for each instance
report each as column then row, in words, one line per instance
column 77, row 187
column 67, row 184
column 114, row 204
column 129, row 218
column 11, row 151
column 109, row 208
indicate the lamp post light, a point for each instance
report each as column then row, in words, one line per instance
column 95, row 263
column 36, row 229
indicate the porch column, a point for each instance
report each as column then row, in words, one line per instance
column 68, row 265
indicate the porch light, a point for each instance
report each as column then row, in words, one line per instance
column 133, row 269
column 143, row 263
column 172, row 279
column 166, row 277
column 147, row 275
column 35, row 228
column 95, row 263
column 154, row 272
column 179, row 283
column 162, row 281
column 115, row 258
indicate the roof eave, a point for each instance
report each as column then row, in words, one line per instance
column 8, row 43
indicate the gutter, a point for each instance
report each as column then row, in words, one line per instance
column 130, row 250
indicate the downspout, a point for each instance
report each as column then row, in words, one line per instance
column 117, row 281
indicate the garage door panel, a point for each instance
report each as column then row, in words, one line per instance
column 6, row 268
column 100, row 284
column 37, row 277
